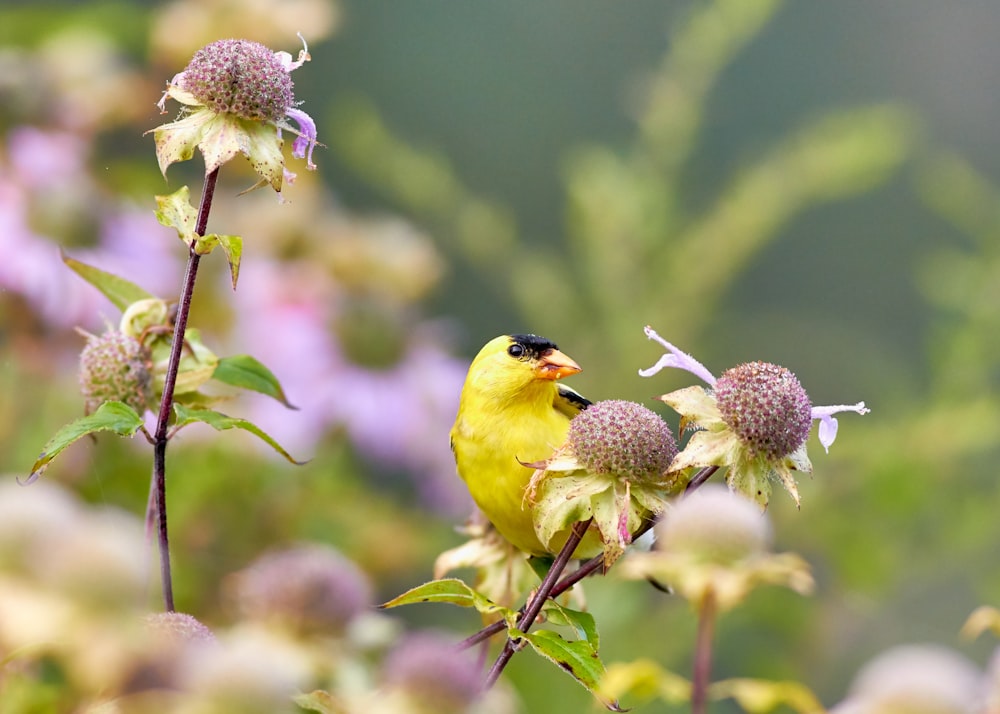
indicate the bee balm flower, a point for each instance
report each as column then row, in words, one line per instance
column 237, row 98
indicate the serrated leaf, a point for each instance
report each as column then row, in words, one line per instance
column 759, row 696
column 222, row 422
column 246, row 372
column 320, row 701
column 110, row 416
column 119, row 291
column 578, row 659
column 175, row 211
column 452, row 591
column 583, row 623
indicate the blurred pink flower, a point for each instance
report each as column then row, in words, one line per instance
column 399, row 416
column 130, row 242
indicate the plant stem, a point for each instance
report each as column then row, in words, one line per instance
column 701, row 477
column 541, row 595
column 159, row 485
column 703, row 655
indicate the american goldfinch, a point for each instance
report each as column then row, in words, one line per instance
column 513, row 412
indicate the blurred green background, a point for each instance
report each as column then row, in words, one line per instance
column 811, row 184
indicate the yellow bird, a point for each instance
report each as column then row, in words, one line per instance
column 512, row 412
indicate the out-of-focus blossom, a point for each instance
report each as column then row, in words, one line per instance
column 915, row 679
column 271, row 22
column 430, row 675
column 311, row 589
column 714, row 547
column 398, row 415
column 131, row 243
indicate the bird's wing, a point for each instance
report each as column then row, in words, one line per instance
column 569, row 401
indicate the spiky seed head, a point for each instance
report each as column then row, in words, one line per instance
column 714, row 525
column 309, row 588
column 115, row 366
column 622, row 439
column 240, row 77
column 766, row 406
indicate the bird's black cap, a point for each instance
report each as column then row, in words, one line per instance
column 534, row 346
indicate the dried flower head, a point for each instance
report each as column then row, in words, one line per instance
column 238, row 99
column 613, row 468
column 239, row 77
column 755, row 420
column 622, row 439
column 115, row 367
column 766, row 406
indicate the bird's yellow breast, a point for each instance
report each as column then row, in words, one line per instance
column 492, row 440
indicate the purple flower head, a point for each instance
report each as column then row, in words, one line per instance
column 828, row 425
column 754, row 420
column 239, row 77
column 766, row 406
column 238, row 99
column 622, row 439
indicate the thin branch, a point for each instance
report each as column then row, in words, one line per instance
column 159, row 485
column 541, row 595
column 585, row 570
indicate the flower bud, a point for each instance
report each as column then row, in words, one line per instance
column 117, row 367
column 766, row 406
column 240, row 77
column 310, row 587
column 622, row 439
column 714, row 525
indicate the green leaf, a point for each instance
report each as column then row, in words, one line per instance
column 578, row 659
column 246, row 372
column 232, row 246
column 110, row 416
column 175, row 211
column 583, row 623
column 221, row 422
column 197, row 365
column 119, row 291
column 452, row 591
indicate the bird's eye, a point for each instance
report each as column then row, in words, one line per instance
column 515, row 350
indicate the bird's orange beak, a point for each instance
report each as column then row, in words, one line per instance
column 555, row 365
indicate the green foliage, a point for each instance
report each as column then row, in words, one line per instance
column 110, row 416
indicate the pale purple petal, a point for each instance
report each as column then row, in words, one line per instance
column 286, row 58
column 828, row 425
column 305, row 142
column 677, row 359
